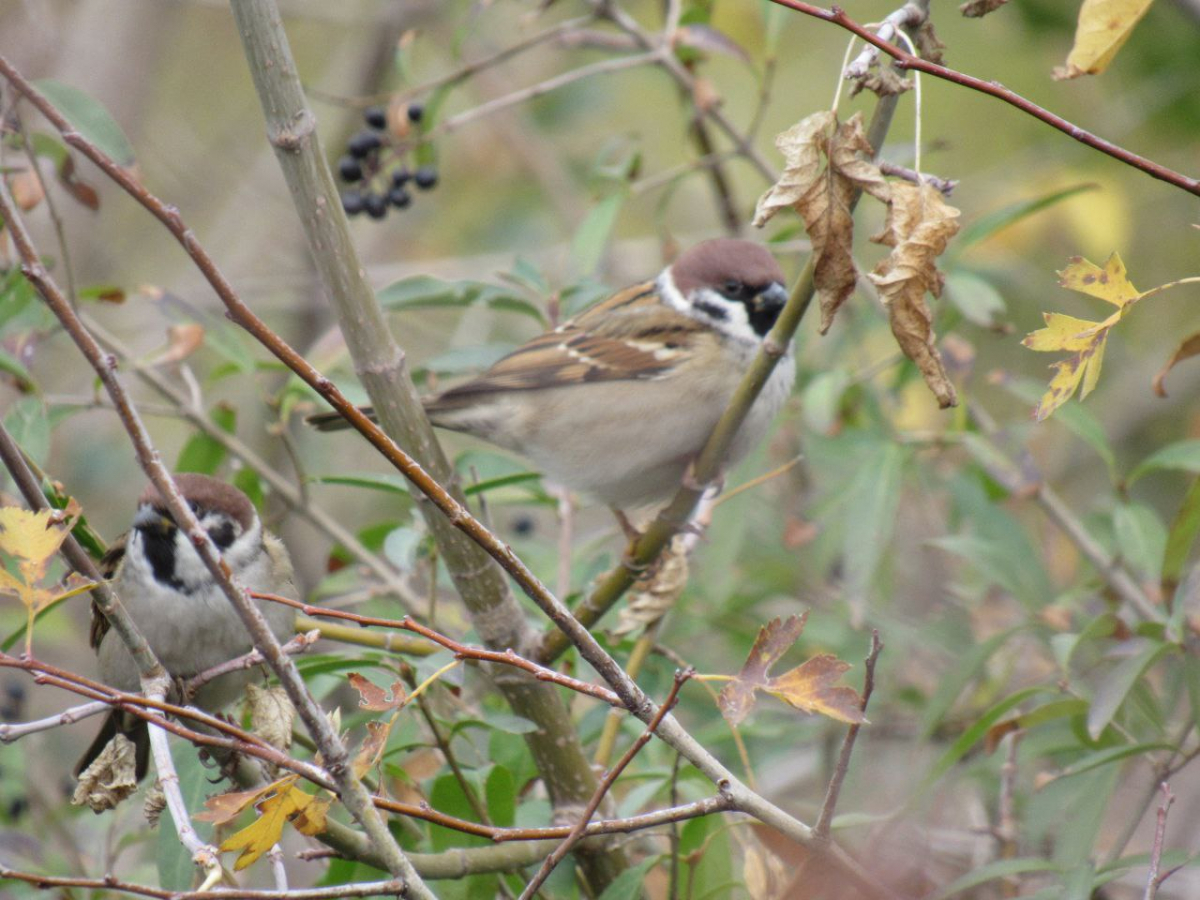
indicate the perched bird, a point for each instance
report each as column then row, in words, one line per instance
column 186, row 618
column 619, row 400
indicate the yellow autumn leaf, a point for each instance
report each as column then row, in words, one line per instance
column 1062, row 333
column 287, row 803
column 34, row 537
column 1109, row 283
column 812, row 687
column 1102, row 28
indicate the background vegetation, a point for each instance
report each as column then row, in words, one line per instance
column 1025, row 711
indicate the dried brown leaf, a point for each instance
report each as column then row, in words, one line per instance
column 26, row 189
column 737, row 697
column 919, row 226
column 883, row 82
column 1186, row 350
column 802, row 147
column 812, row 687
column 226, row 807
column 652, row 597
column 371, row 750
column 929, row 45
column 272, row 714
column 375, row 698
column 977, row 9
column 110, row 778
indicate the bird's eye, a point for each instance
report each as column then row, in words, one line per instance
column 733, row 286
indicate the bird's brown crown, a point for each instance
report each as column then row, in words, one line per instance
column 205, row 493
column 712, row 263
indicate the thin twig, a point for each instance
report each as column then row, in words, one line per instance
column 111, row 883
column 297, row 645
column 906, row 60
column 825, row 819
column 1154, row 879
column 14, row 731
column 606, row 784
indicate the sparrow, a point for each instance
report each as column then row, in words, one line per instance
column 618, row 401
column 184, row 615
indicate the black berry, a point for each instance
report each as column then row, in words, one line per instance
column 399, row 197
column 349, row 169
column 375, row 117
column 363, row 143
column 376, row 205
column 415, row 112
column 523, row 526
column 426, row 177
column 353, row 203
column 401, row 177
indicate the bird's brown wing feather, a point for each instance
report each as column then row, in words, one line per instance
column 109, row 564
column 629, row 336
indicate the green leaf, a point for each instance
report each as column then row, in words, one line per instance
column 1078, row 883
column 427, row 292
column 89, row 118
column 1079, row 420
column 956, row 680
column 247, row 481
column 994, row 222
column 628, row 885
column 203, row 453
column 482, row 487
column 975, row 733
column 1181, row 537
column 1001, row 868
column 872, row 500
column 29, row 424
column 501, row 792
column 1181, row 456
column 13, row 366
column 591, row 238
column 387, row 482
column 1116, row 685
column 1141, row 538
column 1110, row 755
column 975, row 298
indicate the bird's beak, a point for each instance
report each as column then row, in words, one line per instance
column 772, row 298
column 151, row 521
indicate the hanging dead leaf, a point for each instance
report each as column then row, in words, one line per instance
column 26, row 189
column 919, row 226
column 271, row 714
column 110, row 778
column 371, row 750
column 1186, row 350
column 823, row 195
column 812, row 688
column 976, row 9
column 226, row 807
column 654, row 596
column 375, row 698
column 1085, row 339
column 1102, row 28
column 883, row 81
column 83, row 192
column 809, row 687
column 929, row 45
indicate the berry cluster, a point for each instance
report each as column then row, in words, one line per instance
column 375, row 168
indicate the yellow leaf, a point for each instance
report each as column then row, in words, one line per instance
column 1108, row 284
column 812, row 687
column 34, row 537
column 1062, row 333
column 1092, row 360
column 737, row 698
column 1103, row 27
column 287, row 803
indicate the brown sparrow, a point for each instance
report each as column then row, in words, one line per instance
column 186, row 618
column 619, row 400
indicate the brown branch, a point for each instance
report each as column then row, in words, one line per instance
column 825, row 819
column 906, row 60
column 112, row 883
column 460, row 650
column 354, row 795
column 1154, row 879
column 297, row 645
column 606, row 784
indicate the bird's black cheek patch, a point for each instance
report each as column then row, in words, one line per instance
column 223, row 535
column 160, row 553
column 713, row 310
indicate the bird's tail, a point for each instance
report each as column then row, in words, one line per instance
column 333, row 421
column 133, row 728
